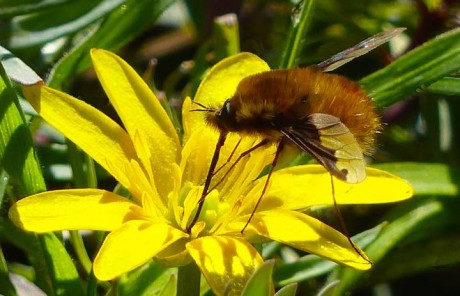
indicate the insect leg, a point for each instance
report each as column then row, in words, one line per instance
column 228, row 160
column 272, row 168
column 343, row 225
column 240, row 157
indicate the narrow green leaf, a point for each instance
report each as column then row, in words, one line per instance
column 16, row 146
column 294, row 42
column 420, row 67
column 17, row 70
column 170, row 287
column 226, row 36
column 438, row 252
column 421, row 176
column 288, row 290
column 150, row 279
column 12, row 8
column 54, row 22
column 18, row 160
column 389, row 238
column 311, row 266
column 56, row 274
column 62, row 269
column 447, row 86
column 261, row 282
column 121, row 26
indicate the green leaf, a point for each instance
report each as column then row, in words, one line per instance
column 438, row 252
column 311, row 266
column 421, row 176
column 447, row 86
column 48, row 255
column 56, row 274
column 12, row 8
column 226, row 36
column 395, row 232
column 294, row 42
column 16, row 146
column 53, row 22
column 169, row 287
column 121, row 26
column 288, row 290
column 420, row 67
column 66, row 280
column 150, row 279
column 17, row 70
column 260, row 282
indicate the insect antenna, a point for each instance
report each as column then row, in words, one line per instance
column 343, row 225
column 205, row 108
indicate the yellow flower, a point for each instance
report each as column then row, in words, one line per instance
column 166, row 179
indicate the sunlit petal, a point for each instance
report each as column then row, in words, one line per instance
column 71, row 209
column 141, row 112
column 87, row 127
column 305, row 186
column 221, row 82
column 132, row 245
column 226, row 262
column 308, row 234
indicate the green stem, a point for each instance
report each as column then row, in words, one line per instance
column 80, row 250
column 293, row 45
column 83, row 170
column 188, row 280
column 91, row 178
column 84, row 175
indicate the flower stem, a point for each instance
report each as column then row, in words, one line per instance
column 79, row 247
column 188, row 280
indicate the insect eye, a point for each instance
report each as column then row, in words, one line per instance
column 225, row 110
column 227, row 106
column 226, row 118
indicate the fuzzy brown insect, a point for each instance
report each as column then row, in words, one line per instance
column 326, row 115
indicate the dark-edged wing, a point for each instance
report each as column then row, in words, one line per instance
column 358, row 50
column 328, row 140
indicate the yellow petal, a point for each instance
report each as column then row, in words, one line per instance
column 308, row 234
column 87, row 127
column 226, row 262
column 73, row 209
column 141, row 112
column 221, row 82
column 197, row 154
column 199, row 150
column 132, row 245
column 305, row 186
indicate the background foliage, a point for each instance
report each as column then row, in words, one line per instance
column 173, row 43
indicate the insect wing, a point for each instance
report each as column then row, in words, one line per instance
column 328, row 140
column 358, row 50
